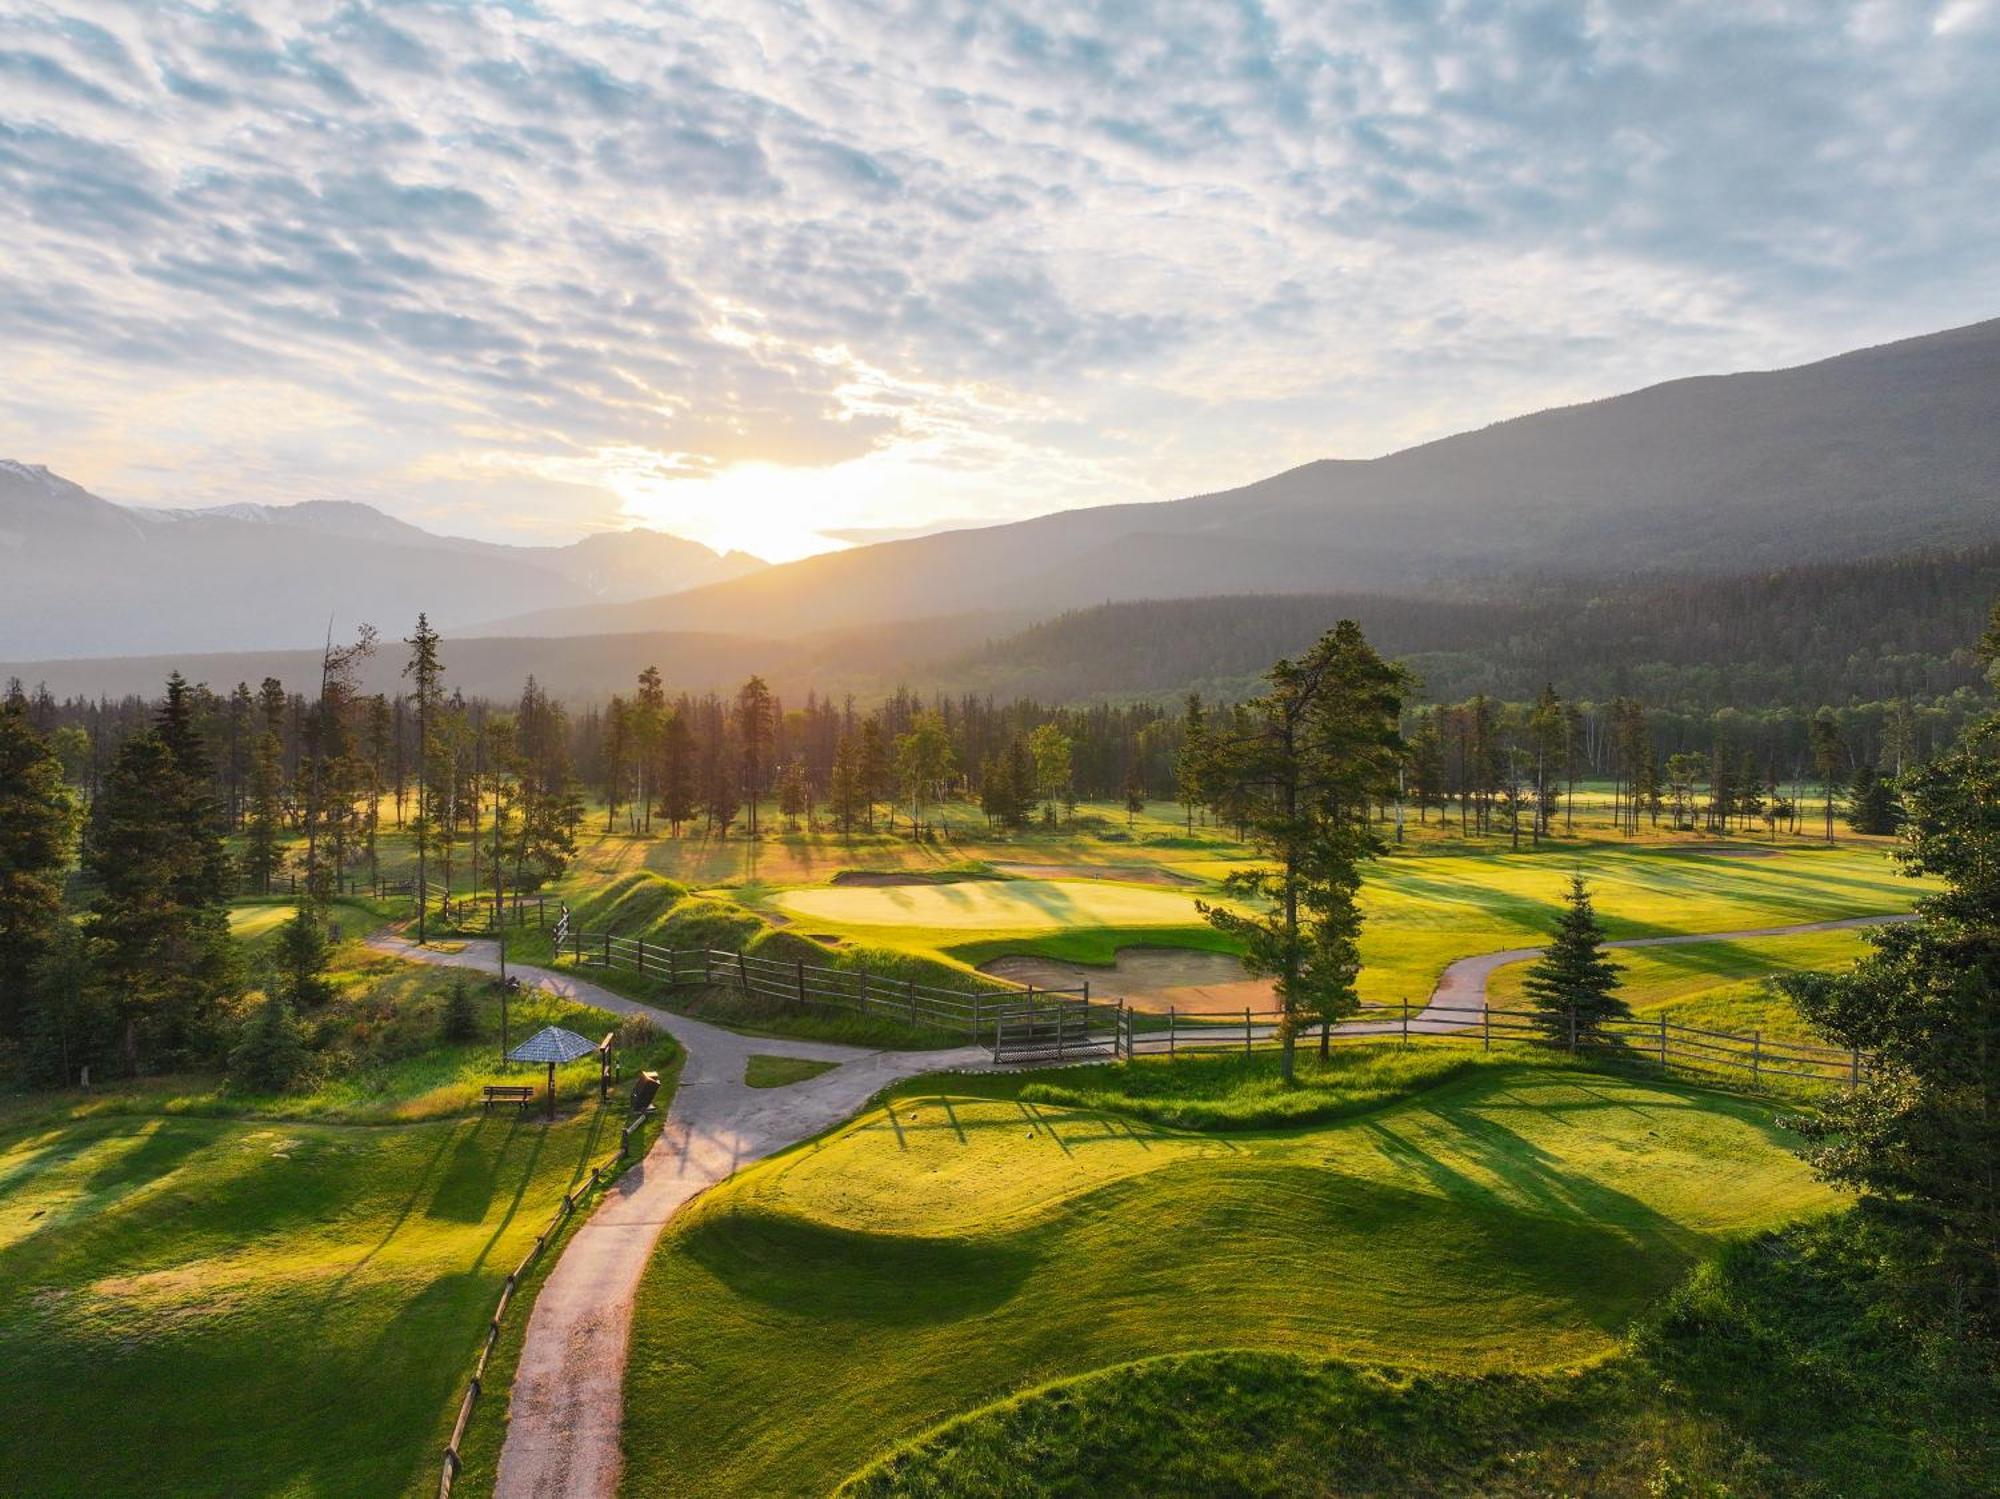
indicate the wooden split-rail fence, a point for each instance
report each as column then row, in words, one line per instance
column 1032, row 1024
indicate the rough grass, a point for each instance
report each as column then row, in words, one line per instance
column 974, row 906
column 781, row 1072
column 1776, row 1369
column 947, row 1250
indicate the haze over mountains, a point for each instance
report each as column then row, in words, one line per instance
column 1879, row 453
column 1869, row 453
column 81, row 576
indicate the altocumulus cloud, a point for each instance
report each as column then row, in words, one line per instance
column 493, row 264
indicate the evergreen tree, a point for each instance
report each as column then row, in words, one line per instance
column 1135, row 794
column 37, row 831
column 264, row 811
column 844, row 784
column 792, row 794
column 1304, row 762
column 461, row 1019
column 1824, row 742
column 1920, row 1136
column 426, row 673
column 1193, row 755
column 754, row 729
column 679, row 798
column 302, row 951
column 271, row 1055
column 160, row 917
column 875, row 769
column 1574, row 977
column 1872, row 803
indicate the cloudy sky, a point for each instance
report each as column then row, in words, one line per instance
column 756, row 272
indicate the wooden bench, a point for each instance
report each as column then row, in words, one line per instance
column 514, row 1093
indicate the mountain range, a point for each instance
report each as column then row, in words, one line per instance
column 81, row 576
column 1885, row 450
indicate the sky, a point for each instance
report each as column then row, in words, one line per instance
column 770, row 275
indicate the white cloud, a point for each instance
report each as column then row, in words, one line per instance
column 832, row 263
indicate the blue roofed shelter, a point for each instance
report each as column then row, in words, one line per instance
column 555, row 1046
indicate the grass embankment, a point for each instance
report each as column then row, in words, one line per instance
column 297, row 1300
column 947, row 1250
column 1783, row 1367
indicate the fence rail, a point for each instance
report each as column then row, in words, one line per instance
column 1657, row 1039
column 1027, row 1023
column 600, row 1175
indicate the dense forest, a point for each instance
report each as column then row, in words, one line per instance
column 1849, row 633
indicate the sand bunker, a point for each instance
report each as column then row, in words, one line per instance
column 1145, row 874
column 1151, row 979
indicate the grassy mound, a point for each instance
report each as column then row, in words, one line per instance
column 1782, row 1367
column 948, row 1250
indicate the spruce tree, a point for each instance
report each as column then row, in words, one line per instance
column 271, row 1055
column 1920, row 1136
column 37, row 829
column 461, row 1019
column 160, row 917
column 426, row 673
column 1574, row 977
column 303, row 952
column 1873, row 805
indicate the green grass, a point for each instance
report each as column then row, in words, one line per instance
column 1231, row 1092
column 296, row 1303
column 1779, row 1368
column 292, row 1285
column 1724, row 986
column 948, row 1250
column 781, row 1072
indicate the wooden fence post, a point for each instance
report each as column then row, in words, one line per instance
column 743, row 974
column 642, row 955
column 1246, row 1030
column 607, row 949
column 910, row 993
column 1854, row 1070
column 576, row 946
column 800, row 975
column 1485, row 1027
column 1756, row 1055
column 1170, row 1032
column 1663, row 1040
column 1406, row 1020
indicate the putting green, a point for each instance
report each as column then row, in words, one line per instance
column 991, row 905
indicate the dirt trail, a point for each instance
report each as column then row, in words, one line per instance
column 567, row 1403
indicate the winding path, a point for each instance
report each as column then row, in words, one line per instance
column 568, row 1397
column 567, row 1403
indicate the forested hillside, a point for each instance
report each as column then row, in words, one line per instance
column 1799, row 637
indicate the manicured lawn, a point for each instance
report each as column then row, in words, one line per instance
column 781, row 1072
column 1724, row 986
column 950, row 1249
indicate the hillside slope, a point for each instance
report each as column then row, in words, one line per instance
column 1887, row 449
